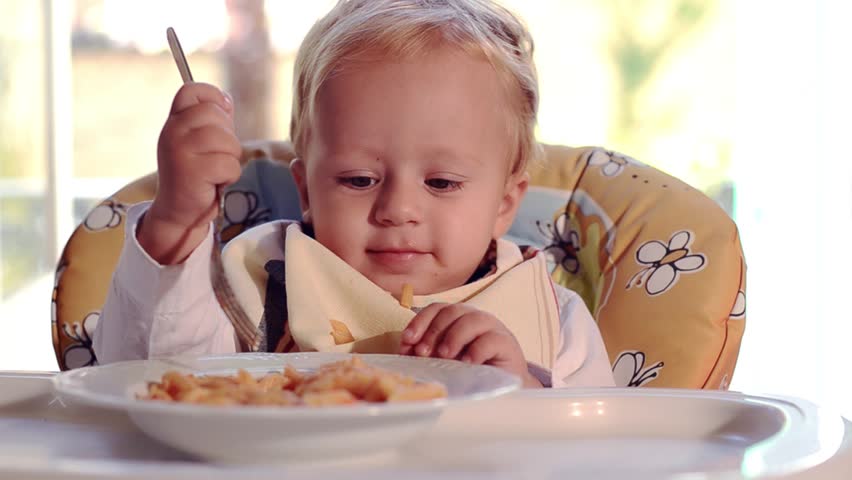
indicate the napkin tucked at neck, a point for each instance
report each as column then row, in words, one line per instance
column 322, row 288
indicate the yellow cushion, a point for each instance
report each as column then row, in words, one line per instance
column 84, row 272
column 658, row 263
column 660, row 267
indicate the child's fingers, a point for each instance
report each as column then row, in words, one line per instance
column 489, row 348
column 201, row 114
column 434, row 333
column 417, row 326
column 213, row 139
column 220, row 168
column 199, row 130
column 194, row 93
column 462, row 332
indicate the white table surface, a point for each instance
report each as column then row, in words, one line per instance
column 42, row 437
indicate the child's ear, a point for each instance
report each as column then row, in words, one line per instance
column 297, row 170
column 516, row 187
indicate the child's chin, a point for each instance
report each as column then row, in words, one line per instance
column 394, row 284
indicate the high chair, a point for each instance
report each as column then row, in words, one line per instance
column 658, row 263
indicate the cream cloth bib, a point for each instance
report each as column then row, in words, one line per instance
column 321, row 287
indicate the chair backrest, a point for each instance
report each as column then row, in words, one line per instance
column 657, row 262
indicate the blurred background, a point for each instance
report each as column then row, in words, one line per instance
column 746, row 100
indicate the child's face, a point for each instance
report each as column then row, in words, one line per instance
column 406, row 174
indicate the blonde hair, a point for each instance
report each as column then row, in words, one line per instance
column 410, row 27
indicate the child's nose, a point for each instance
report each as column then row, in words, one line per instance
column 397, row 204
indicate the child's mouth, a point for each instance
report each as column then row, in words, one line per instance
column 397, row 260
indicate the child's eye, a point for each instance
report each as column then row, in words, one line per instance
column 443, row 184
column 358, row 182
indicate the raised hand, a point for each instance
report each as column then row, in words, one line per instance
column 197, row 151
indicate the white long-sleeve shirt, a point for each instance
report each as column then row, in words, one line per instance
column 152, row 310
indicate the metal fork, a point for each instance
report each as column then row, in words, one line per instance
column 247, row 334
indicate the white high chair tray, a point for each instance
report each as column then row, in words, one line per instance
column 587, row 433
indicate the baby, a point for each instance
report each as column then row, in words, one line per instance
column 413, row 125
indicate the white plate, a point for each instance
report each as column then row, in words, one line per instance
column 265, row 434
column 20, row 386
